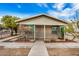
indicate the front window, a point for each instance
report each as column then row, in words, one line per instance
column 54, row 29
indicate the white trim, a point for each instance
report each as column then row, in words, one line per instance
column 64, row 34
column 44, row 32
column 34, row 32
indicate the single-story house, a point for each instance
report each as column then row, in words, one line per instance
column 43, row 27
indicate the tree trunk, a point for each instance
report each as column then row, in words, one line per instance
column 74, row 36
column 11, row 31
column 15, row 29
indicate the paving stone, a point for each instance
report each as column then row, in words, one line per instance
column 38, row 49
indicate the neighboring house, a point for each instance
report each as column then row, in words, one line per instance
column 43, row 27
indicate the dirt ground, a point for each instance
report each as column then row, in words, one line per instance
column 14, row 51
column 63, row 51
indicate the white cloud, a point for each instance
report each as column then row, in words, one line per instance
column 62, row 13
column 65, row 14
column 58, row 6
column 75, row 7
column 54, row 13
column 43, row 5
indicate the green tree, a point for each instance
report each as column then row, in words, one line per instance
column 77, row 24
column 9, row 22
column 70, row 29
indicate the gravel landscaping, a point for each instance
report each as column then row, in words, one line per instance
column 63, row 51
column 14, row 51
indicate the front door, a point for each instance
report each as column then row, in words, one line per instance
column 39, row 32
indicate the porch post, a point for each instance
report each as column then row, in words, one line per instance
column 64, row 33
column 34, row 32
column 44, row 32
column 19, row 31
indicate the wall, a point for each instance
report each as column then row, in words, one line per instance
column 42, row 21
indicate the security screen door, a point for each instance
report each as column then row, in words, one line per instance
column 39, row 32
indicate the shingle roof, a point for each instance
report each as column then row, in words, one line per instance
column 20, row 20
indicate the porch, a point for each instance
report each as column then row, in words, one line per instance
column 42, row 32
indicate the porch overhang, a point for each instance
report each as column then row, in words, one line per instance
column 42, row 20
column 40, row 24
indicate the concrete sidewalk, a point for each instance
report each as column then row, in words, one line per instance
column 38, row 49
column 9, row 38
column 16, row 45
column 62, row 45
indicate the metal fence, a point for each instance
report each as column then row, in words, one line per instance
column 4, row 33
column 27, row 35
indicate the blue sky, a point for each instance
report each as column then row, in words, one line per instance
column 64, row 11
